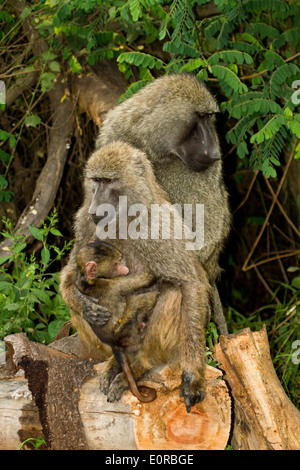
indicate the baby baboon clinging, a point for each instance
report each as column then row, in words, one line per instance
column 178, row 335
column 102, row 274
column 172, row 120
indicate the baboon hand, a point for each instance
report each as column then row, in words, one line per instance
column 192, row 390
column 93, row 313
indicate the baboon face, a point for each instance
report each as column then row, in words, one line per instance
column 197, row 147
column 113, row 171
column 100, row 260
column 172, row 117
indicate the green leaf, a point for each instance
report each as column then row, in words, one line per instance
column 230, row 57
column 269, row 129
column 45, row 254
column 295, row 128
column 192, row 65
column 13, row 307
column 25, row 13
column 135, row 9
column 4, row 156
column 296, row 282
column 3, row 259
column 4, row 285
column 3, row 181
column 48, row 55
column 140, row 59
column 228, row 80
column 42, row 296
column 281, row 76
column 74, row 64
column 56, row 232
column 38, row 233
column 54, row 66
column 133, row 88
column 32, row 120
column 181, row 48
column 47, row 81
column 54, row 328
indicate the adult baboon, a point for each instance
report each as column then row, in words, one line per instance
column 172, row 120
column 176, row 336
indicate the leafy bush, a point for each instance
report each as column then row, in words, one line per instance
column 249, row 49
column 29, row 293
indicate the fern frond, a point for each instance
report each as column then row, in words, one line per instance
column 238, row 132
column 270, row 129
column 262, row 106
column 279, row 8
column 140, row 59
column 229, row 82
column 291, row 35
column 243, row 47
column 181, row 48
column 132, row 89
column 230, row 57
column 262, row 30
column 135, row 9
column 193, row 65
column 280, row 76
column 294, row 125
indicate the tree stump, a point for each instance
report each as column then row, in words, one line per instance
column 264, row 417
column 74, row 414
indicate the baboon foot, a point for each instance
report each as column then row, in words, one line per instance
column 191, row 390
column 117, row 388
column 108, row 376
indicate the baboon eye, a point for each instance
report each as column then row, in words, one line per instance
column 101, row 180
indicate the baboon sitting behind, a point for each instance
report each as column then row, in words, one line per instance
column 172, row 120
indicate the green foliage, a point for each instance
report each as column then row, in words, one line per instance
column 29, row 292
column 245, row 50
column 35, row 442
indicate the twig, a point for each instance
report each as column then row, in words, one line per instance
column 245, row 267
column 282, row 209
column 248, row 192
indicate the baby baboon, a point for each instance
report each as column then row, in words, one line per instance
column 177, row 336
column 102, row 274
column 172, row 120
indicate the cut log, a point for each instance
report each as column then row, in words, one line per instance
column 163, row 424
column 75, row 415
column 264, row 417
column 19, row 416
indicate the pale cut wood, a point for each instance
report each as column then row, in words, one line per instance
column 19, row 416
column 162, row 424
column 264, row 417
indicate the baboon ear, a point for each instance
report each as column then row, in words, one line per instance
column 91, row 269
